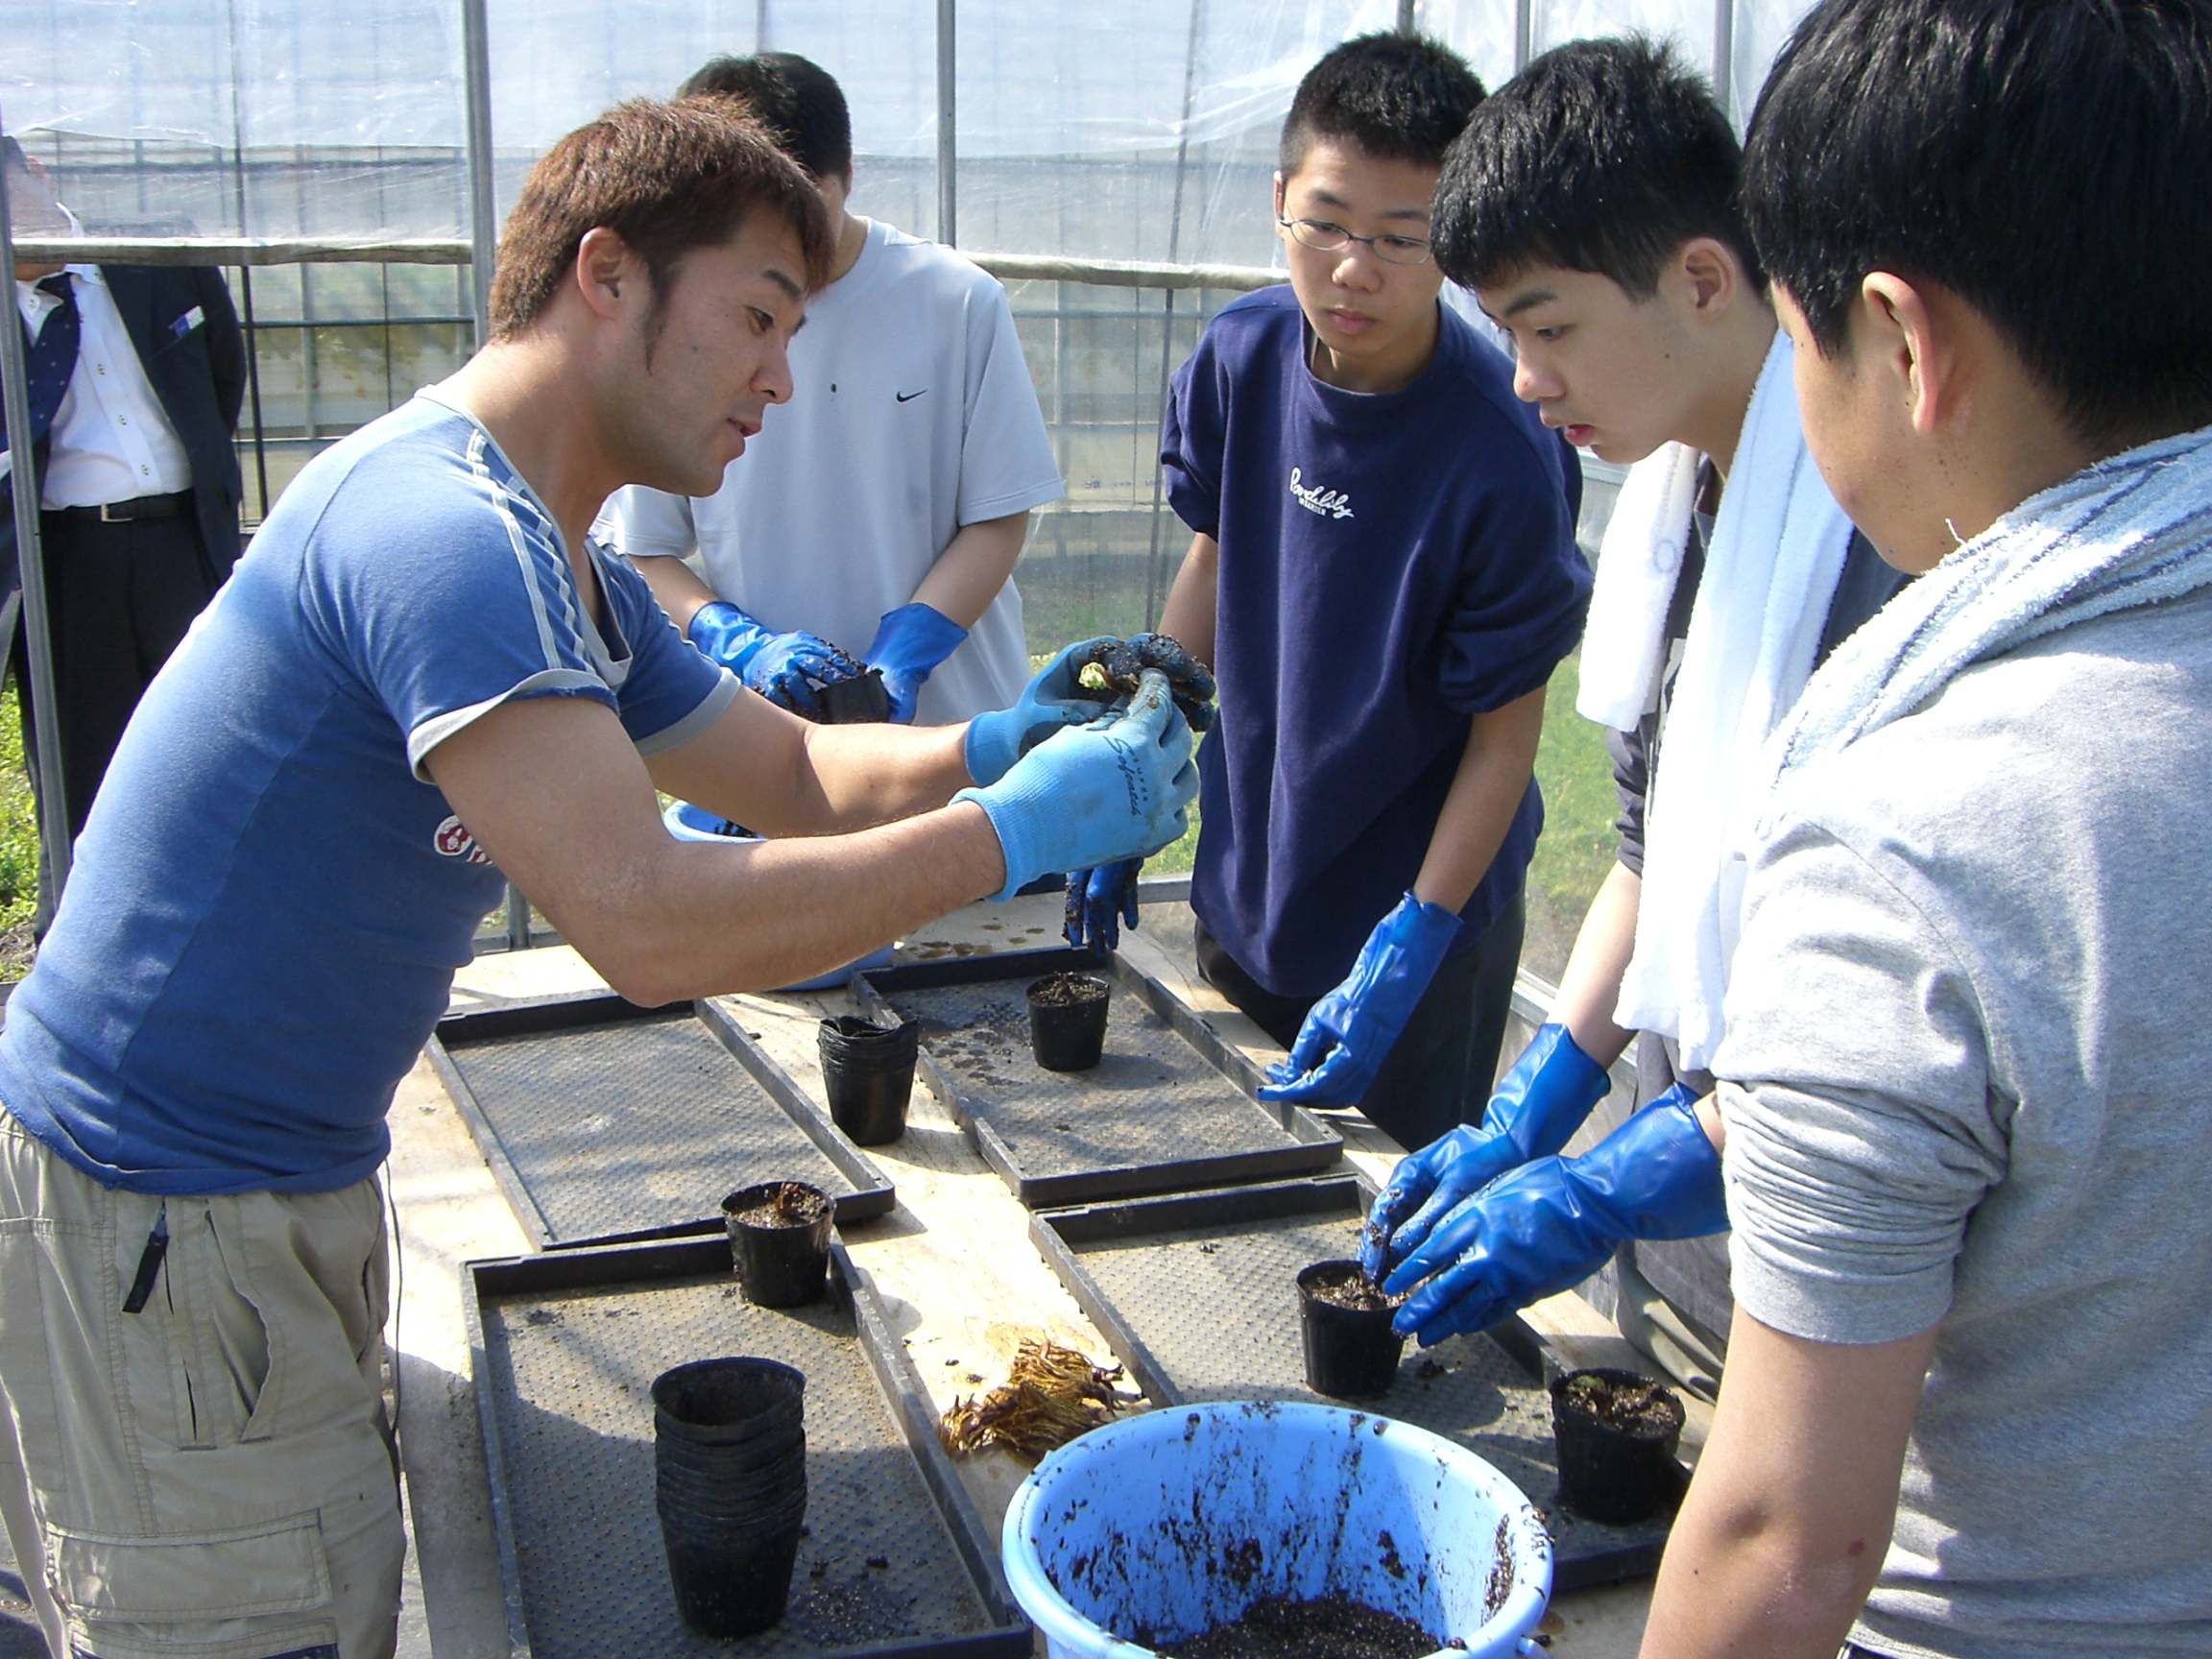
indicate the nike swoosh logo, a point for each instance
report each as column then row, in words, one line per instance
column 908, row 396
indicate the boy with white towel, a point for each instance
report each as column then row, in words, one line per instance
column 1968, row 1409
column 1589, row 204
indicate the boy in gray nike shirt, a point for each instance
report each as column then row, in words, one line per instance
column 1968, row 1404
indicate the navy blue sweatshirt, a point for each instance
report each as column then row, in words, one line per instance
column 1391, row 564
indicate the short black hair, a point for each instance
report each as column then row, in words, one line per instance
column 11, row 154
column 1600, row 155
column 2047, row 162
column 795, row 98
column 1398, row 97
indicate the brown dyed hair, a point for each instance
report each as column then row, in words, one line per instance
column 665, row 178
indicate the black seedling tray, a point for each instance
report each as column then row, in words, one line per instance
column 1196, row 1293
column 604, row 1121
column 1169, row 1108
column 565, row 1346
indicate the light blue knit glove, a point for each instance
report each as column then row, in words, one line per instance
column 1117, row 788
column 1053, row 699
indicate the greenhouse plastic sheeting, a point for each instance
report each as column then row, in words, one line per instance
column 1138, row 131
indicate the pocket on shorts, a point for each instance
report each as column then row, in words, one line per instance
column 275, row 1567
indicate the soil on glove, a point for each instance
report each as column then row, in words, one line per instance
column 1330, row 1627
column 1067, row 991
column 1111, row 669
column 1639, row 1407
column 1347, row 1287
column 790, row 1204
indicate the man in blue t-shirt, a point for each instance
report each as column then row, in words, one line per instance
column 1384, row 577
column 422, row 678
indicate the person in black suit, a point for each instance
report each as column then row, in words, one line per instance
column 136, row 378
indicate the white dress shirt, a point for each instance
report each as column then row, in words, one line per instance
column 111, row 442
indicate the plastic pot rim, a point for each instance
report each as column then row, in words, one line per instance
column 1104, row 988
column 748, row 1197
column 1611, row 1431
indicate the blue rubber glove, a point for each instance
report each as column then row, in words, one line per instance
column 1100, row 903
column 1117, row 788
column 1347, row 1036
column 1053, row 697
column 1532, row 1112
column 784, row 668
column 909, row 642
column 1549, row 1225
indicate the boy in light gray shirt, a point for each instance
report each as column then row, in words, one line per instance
column 1968, row 1404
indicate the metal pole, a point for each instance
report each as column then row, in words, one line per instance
column 1407, row 24
column 1523, row 34
column 31, row 566
column 1723, row 54
column 1152, row 572
column 483, row 244
column 948, row 130
column 483, row 205
column 254, row 394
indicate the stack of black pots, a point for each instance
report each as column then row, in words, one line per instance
column 730, row 1465
column 867, row 1072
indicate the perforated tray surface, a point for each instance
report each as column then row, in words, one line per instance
column 1158, row 1112
column 568, row 1375
column 636, row 1128
column 1212, row 1311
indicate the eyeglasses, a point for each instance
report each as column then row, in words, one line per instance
column 1324, row 237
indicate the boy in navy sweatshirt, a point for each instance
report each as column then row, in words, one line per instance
column 1383, row 576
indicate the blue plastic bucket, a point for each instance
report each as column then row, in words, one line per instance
column 1161, row 1526
column 688, row 823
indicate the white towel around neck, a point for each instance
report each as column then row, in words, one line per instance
column 2133, row 530
column 1639, row 562
column 1777, row 548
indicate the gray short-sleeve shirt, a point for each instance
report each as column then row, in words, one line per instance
column 1968, row 1078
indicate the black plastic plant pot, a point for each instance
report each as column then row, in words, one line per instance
column 731, row 1588
column 730, row 1469
column 1344, row 1325
column 779, row 1242
column 869, row 1072
column 1067, row 1020
column 1617, row 1433
column 855, row 702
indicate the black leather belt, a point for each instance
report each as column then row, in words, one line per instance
column 130, row 512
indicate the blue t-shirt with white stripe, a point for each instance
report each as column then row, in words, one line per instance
column 270, row 898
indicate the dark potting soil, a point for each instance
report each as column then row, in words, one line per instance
column 1634, row 1408
column 1332, row 1626
column 791, row 1205
column 1347, row 1287
column 1110, row 669
column 1067, row 991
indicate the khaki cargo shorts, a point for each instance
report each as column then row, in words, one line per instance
column 212, row 1475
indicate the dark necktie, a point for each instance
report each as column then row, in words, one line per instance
column 50, row 360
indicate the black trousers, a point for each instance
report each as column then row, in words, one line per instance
column 119, row 598
column 1439, row 1072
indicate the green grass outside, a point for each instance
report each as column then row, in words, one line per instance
column 18, row 845
column 1576, row 777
